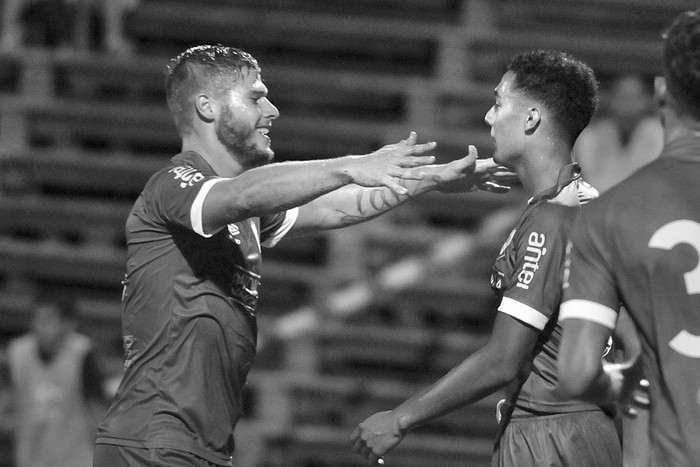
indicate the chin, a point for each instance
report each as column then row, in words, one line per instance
column 259, row 158
column 497, row 158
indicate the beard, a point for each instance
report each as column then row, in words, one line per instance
column 239, row 139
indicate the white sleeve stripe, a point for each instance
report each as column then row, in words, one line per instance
column 589, row 311
column 523, row 312
column 289, row 219
column 198, row 205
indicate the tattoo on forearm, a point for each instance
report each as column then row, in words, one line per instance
column 370, row 203
column 377, row 199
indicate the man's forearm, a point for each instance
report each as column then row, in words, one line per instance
column 353, row 204
column 276, row 187
column 474, row 379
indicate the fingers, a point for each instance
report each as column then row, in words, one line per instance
column 421, row 148
column 391, row 184
column 355, row 436
column 359, row 446
column 410, row 141
column 493, row 187
column 412, row 137
column 470, row 159
column 416, row 161
column 488, row 166
column 640, row 396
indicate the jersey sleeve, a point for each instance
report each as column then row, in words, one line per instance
column 176, row 197
column 273, row 228
column 534, row 291
column 589, row 287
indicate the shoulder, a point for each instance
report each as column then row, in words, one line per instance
column 549, row 216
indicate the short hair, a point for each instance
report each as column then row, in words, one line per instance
column 682, row 62
column 567, row 87
column 210, row 67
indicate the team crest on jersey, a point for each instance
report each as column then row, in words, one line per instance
column 188, row 175
column 233, row 233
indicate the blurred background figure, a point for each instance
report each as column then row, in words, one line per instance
column 624, row 136
column 65, row 24
column 52, row 390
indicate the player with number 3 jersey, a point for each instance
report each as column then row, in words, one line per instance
column 639, row 245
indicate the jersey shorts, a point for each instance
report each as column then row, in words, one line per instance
column 108, row 455
column 582, row 439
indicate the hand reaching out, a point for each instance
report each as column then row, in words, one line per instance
column 494, row 178
column 392, row 162
column 470, row 174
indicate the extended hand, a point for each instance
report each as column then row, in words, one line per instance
column 392, row 162
column 493, row 177
column 639, row 400
column 470, row 174
column 376, row 436
column 625, row 378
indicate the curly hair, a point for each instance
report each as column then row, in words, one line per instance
column 210, row 67
column 682, row 62
column 567, row 87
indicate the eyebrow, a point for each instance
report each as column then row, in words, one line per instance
column 257, row 93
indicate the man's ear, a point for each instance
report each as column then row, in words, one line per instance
column 533, row 120
column 206, row 109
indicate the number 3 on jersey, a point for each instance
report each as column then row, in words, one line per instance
column 667, row 237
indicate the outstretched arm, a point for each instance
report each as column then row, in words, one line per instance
column 352, row 204
column 277, row 187
column 484, row 372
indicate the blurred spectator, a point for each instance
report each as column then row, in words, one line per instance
column 624, row 136
column 53, row 390
column 66, row 24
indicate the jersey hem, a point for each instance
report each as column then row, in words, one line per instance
column 589, row 311
column 523, row 312
column 166, row 444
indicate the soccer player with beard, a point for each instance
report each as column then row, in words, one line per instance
column 194, row 240
column 638, row 246
column 542, row 103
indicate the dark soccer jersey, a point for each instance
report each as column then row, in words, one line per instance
column 188, row 316
column 639, row 245
column 528, row 275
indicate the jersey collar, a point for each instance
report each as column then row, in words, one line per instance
column 193, row 159
column 567, row 174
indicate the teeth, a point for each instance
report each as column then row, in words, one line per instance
column 263, row 131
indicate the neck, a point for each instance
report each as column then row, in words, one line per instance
column 539, row 169
column 216, row 155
